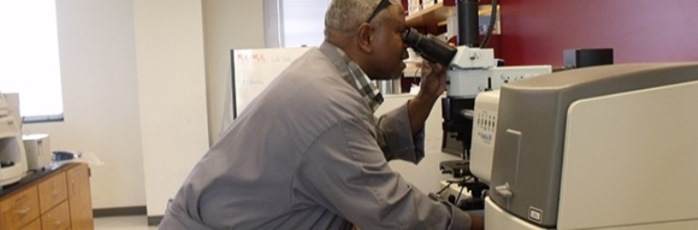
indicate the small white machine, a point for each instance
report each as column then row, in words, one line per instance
column 38, row 148
column 484, row 128
column 608, row 147
column 13, row 161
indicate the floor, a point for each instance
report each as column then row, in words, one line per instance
column 123, row 223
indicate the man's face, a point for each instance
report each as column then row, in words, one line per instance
column 389, row 49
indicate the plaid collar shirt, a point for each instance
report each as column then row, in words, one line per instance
column 362, row 83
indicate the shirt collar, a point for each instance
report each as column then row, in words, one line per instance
column 359, row 79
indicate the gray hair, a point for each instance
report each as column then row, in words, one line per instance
column 346, row 15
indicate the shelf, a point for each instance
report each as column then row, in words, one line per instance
column 438, row 14
column 431, row 15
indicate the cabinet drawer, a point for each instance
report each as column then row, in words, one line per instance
column 79, row 198
column 19, row 209
column 34, row 225
column 52, row 192
column 57, row 218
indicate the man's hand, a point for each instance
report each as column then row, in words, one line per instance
column 432, row 85
column 433, row 80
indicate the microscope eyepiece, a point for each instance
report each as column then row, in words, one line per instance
column 429, row 47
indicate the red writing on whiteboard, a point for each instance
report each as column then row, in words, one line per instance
column 250, row 58
column 260, row 58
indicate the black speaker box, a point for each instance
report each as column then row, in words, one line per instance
column 578, row 58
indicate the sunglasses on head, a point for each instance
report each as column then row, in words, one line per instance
column 382, row 5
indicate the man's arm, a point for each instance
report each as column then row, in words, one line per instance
column 345, row 172
column 400, row 133
column 433, row 84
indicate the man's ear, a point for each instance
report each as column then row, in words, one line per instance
column 364, row 35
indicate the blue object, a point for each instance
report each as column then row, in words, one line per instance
column 63, row 155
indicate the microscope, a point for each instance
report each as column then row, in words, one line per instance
column 467, row 67
column 471, row 72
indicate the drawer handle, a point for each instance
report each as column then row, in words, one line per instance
column 57, row 223
column 55, row 193
column 22, row 212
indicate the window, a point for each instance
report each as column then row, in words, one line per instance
column 295, row 23
column 29, row 62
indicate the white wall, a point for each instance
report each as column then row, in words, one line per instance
column 172, row 88
column 113, row 101
column 100, row 97
column 227, row 25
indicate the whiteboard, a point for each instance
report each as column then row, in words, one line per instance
column 253, row 69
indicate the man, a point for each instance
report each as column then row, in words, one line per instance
column 308, row 153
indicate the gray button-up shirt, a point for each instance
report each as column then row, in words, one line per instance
column 308, row 153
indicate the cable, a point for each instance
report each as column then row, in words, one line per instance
column 459, row 193
column 435, row 196
column 490, row 28
column 445, row 187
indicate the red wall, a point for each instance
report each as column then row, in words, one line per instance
column 537, row 31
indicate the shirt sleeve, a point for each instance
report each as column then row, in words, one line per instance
column 394, row 136
column 345, row 172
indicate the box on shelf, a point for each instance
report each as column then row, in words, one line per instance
column 427, row 3
column 413, row 6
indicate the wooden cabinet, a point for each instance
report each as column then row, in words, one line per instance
column 79, row 197
column 57, row 199
column 19, row 209
column 52, row 191
column 34, row 225
column 58, row 218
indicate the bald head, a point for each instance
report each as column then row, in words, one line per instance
column 373, row 41
column 343, row 17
